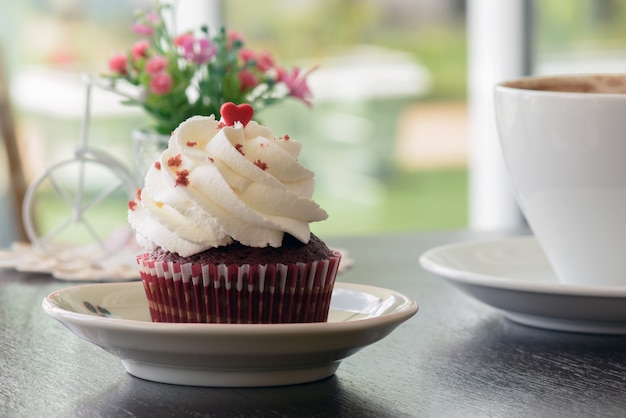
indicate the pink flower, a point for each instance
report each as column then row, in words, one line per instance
column 140, row 50
column 153, row 17
column 198, row 51
column 247, row 55
column 161, row 83
column 265, row 61
column 247, row 80
column 144, row 30
column 118, row 63
column 156, row 65
column 296, row 83
column 213, row 66
column 181, row 39
column 234, row 37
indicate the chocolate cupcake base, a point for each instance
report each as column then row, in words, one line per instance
column 239, row 294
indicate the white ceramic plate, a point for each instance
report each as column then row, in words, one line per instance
column 513, row 275
column 115, row 317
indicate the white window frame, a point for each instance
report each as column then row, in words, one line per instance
column 499, row 48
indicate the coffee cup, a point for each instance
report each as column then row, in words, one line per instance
column 563, row 139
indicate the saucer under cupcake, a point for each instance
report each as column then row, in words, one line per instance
column 115, row 316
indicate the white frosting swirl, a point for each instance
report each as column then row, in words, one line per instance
column 214, row 185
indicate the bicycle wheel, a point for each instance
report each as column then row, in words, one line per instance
column 78, row 207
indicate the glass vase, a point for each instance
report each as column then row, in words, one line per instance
column 147, row 146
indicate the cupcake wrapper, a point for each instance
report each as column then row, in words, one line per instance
column 233, row 294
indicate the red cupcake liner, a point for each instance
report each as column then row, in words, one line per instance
column 233, row 294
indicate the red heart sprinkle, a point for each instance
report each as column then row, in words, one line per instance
column 232, row 113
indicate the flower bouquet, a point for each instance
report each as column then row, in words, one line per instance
column 194, row 73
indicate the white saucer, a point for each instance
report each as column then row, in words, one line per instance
column 115, row 317
column 513, row 275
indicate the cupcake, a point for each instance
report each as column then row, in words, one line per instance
column 224, row 218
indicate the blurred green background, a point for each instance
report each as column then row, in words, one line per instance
column 384, row 162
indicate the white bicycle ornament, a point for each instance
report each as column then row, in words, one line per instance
column 81, row 189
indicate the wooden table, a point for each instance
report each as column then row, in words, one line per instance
column 456, row 357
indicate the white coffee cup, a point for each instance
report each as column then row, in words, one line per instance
column 564, row 143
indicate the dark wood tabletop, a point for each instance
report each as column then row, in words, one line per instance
column 455, row 358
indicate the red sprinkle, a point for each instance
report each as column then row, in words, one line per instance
column 175, row 161
column 211, row 159
column 132, row 205
column 261, row 165
column 286, row 137
column 182, row 178
column 157, row 165
column 138, row 194
column 191, row 143
column 239, row 147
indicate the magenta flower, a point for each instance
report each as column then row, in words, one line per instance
column 161, row 83
column 118, row 63
column 297, row 84
column 156, row 65
column 143, row 30
column 198, row 51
